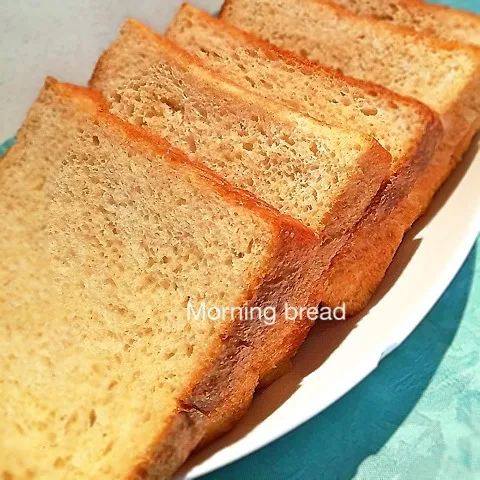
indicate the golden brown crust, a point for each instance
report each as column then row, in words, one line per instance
column 421, row 149
column 435, row 7
column 308, row 66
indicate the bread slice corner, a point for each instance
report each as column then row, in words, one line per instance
column 111, row 72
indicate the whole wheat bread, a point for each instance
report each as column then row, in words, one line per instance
column 445, row 22
column 408, row 129
column 106, row 235
column 445, row 76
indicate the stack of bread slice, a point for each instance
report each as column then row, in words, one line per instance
column 405, row 127
column 208, row 171
column 108, row 235
column 408, row 129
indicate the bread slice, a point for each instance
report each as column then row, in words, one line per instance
column 445, row 22
column 405, row 127
column 445, row 76
column 107, row 235
column 323, row 176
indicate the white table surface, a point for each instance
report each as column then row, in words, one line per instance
column 63, row 38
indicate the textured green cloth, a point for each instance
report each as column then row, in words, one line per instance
column 417, row 417
column 6, row 145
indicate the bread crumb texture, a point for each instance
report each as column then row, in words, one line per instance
column 102, row 247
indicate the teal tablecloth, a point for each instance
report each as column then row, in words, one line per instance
column 417, row 417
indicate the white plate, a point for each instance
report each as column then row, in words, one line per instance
column 337, row 356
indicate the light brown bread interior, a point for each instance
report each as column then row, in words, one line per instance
column 443, row 21
column 445, row 76
column 401, row 125
column 106, row 235
column 323, row 176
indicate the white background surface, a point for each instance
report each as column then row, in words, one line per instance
column 63, row 38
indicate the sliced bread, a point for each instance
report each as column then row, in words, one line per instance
column 405, row 127
column 445, row 76
column 445, row 22
column 107, row 236
column 323, row 176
